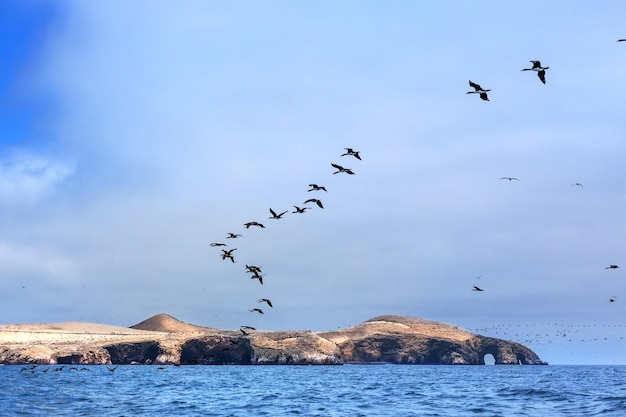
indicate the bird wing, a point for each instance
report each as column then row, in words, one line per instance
column 476, row 86
column 339, row 167
column 273, row 212
column 542, row 76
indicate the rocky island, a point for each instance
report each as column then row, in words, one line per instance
column 162, row 339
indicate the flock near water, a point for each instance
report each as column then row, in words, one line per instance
column 256, row 271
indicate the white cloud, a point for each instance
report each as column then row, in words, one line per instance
column 27, row 178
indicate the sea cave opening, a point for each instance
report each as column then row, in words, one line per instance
column 489, row 359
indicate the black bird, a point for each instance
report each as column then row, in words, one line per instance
column 233, row 235
column 612, row 299
column 541, row 71
column 578, row 184
column 253, row 268
column 341, row 169
column 300, row 209
column 612, row 267
column 477, row 288
column 316, row 201
column 247, row 327
column 258, row 276
column 275, row 215
column 228, row 254
column 315, row 187
column 247, row 225
column 243, row 332
column 218, row 244
column 509, row 178
column 621, row 40
column 112, row 369
column 265, row 300
column 258, row 310
column 350, row 151
column 479, row 90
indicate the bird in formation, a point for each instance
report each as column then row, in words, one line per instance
column 478, row 90
column 233, row 236
column 315, row 187
column 509, row 178
column 247, row 225
column 541, row 71
column 316, row 201
column 277, row 215
column 612, row 267
column 300, row 209
column 266, row 301
column 352, row 152
column 228, row 254
column 477, row 288
column 339, row 169
column 217, row 244
column 577, row 184
column 256, row 310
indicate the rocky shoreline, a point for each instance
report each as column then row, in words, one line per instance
column 162, row 340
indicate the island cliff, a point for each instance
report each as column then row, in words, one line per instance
column 163, row 339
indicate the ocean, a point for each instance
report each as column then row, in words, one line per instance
column 348, row 390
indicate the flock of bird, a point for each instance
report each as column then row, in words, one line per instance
column 255, row 270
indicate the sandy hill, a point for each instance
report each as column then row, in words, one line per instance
column 168, row 324
column 398, row 325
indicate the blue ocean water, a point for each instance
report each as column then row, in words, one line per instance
column 349, row 390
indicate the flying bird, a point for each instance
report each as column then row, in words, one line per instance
column 316, row 201
column 233, row 236
column 275, row 215
column 350, row 151
column 259, row 277
column 257, row 310
column 621, row 40
column 253, row 268
column 541, row 71
column 217, row 244
column 509, row 178
column 479, row 90
column 247, row 327
column 265, row 300
column 228, row 254
column 300, row 209
column 243, row 332
column 477, row 288
column 247, row 225
column 112, row 369
column 612, row 267
column 612, row 299
column 315, row 187
column 577, row 184
column 342, row 169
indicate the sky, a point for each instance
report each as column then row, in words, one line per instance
column 134, row 134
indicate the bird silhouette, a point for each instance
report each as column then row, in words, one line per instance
column 541, row 71
column 259, row 277
column 275, row 215
column 577, row 184
column 112, row 369
column 339, row 169
column 316, row 201
column 233, row 236
column 479, row 90
column 256, row 310
column 509, row 178
column 350, row 151
column 247, row 225
column 253, row 268
column 228, row 254
column 612, row 267
column 300, row 209
column 315, row 187
column 217, row 244
column 477, row 288
column 265, row 300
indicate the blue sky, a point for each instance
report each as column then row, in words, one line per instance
column 134, row 134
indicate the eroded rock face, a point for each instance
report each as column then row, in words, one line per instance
column 407, row 340
column 163, row 340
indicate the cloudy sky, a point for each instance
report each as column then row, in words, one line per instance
column 134, row 134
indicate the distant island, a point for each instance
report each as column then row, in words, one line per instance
column 163, row 340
